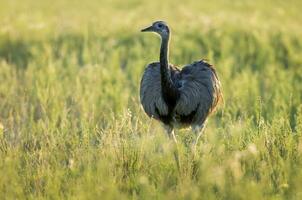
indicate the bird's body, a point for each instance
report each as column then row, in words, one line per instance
column 179, row 97
column 199, row 89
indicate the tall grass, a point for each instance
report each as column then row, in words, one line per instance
column 71, row 125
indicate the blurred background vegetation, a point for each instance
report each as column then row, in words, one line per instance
column 71, row 126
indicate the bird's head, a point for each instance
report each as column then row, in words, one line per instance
column 159, row 27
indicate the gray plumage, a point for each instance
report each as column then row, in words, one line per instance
column 178, row 98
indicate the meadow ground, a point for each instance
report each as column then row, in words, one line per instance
column 71, row 126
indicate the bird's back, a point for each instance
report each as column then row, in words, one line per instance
column 200, row 92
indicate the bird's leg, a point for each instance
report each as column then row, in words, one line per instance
column 171, row 135
column 198, row 131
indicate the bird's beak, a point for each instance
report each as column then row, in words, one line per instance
column 148, row 29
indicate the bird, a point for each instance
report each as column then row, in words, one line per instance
column 178, row 98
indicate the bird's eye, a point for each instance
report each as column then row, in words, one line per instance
column 160, row 26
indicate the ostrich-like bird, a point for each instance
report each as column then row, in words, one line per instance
column 178, row 98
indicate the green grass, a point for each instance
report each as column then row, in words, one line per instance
column 71, row 125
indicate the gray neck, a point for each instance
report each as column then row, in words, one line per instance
column 169, row 91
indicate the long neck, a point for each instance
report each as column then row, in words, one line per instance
column 169, row 91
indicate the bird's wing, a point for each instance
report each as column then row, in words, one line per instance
column 199, row 91
column 150, row 92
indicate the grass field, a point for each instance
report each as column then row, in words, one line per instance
column 71, row 125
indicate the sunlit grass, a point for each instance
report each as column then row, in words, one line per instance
column 71, row 126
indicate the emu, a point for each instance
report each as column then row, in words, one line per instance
column 178, row 98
